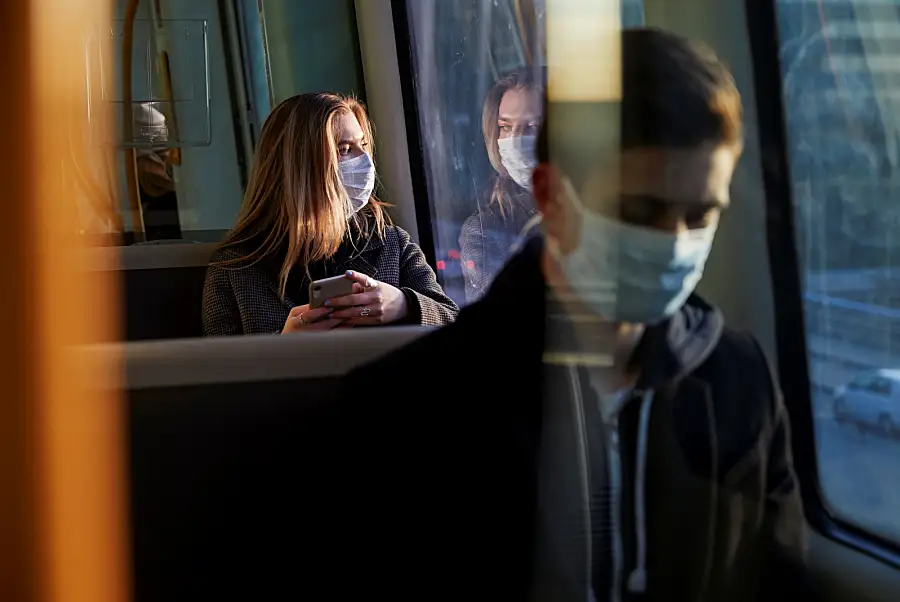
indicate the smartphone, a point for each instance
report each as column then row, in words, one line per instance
column 328, row 288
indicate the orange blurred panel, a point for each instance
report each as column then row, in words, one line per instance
column 62, row 480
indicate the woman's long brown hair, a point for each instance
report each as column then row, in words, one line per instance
column 295, row 199
column 501, row 192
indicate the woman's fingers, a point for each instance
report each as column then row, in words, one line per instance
column 303, row 318
column 360, row 311
column 369, row 297
column 296, row 311
column 314, row 315
column 294, row 322
column 363, row 307
column 326, row 324
column 362, row 279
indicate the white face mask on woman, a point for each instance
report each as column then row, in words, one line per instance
column 518, row 154
column 358, row 177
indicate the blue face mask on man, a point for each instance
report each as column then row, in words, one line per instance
column 628, row 273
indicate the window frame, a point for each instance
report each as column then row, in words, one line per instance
column 418, row 170
column 787, row 291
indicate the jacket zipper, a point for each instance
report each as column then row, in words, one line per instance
column 613, row 460
column 578, row 412
column 615, row 483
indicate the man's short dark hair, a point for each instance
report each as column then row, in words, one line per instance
column 675, row 94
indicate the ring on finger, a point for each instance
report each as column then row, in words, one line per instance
column 302, row 321
column 364, row 312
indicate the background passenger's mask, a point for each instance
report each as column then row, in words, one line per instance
column 518, row 155
column 629, row 273
column 358, row 177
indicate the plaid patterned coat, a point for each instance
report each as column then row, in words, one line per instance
column 487, row 239
column 244, row 299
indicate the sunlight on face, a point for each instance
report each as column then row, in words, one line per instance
column 519, row 113
column 350, row 139
column 666, row 189
column 671, row 190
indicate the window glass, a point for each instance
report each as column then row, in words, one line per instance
column 297, row 34
column 186, row 130
column 181, row 128
column 860, row 383
column 882, row 387
column 841, row 87
column 479, row 70
column 193, row 127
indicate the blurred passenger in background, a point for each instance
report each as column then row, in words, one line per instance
column 309, row 212
column 159, row 201
column 612, row 439
column 510, row 119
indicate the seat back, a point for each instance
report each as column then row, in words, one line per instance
column 225, row 447
column 162, row 287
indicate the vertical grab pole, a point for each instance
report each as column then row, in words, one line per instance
column 131, row 180
column 161, row 43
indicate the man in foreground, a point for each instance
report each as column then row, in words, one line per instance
column 590, row 430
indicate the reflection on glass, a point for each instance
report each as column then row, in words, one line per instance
column 510, row 121
column 461, row 49
column 472, row 61
column 165, row 71
column 839, row 85
column 156, row 186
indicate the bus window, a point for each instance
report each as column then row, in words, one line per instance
column 190, row 85
column 478, row 67
column 186, row 123
column 167, row 75
column 839, row 71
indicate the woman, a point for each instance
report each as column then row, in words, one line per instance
column 510, row 121
column 309, row 213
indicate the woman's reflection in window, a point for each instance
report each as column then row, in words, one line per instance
column 510, row 122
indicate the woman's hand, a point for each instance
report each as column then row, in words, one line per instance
column 303, row 319
column 372, row 303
